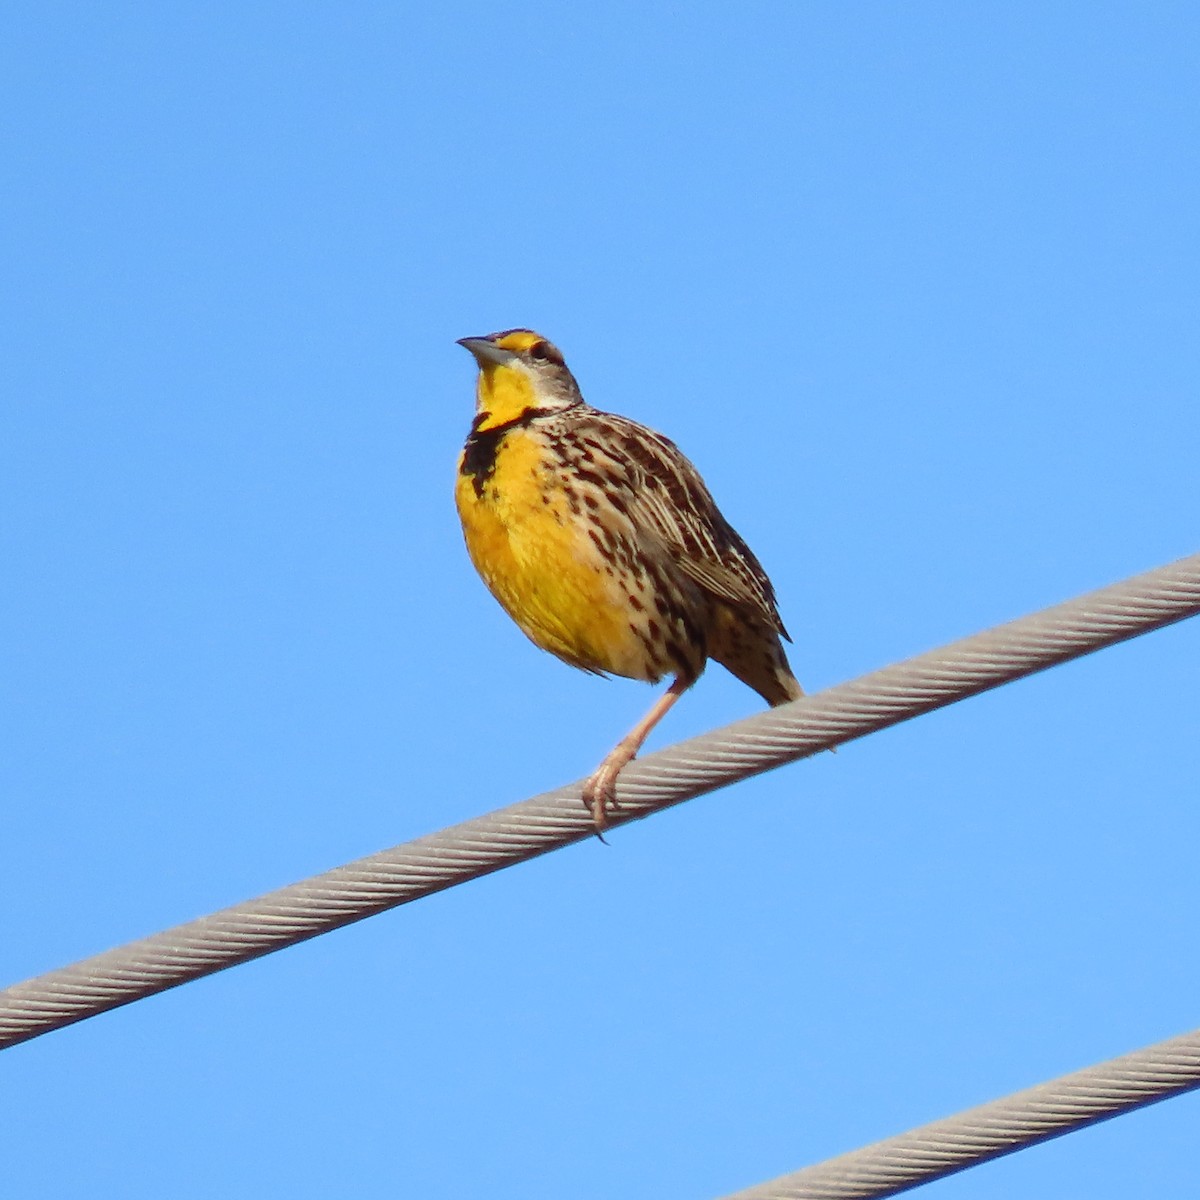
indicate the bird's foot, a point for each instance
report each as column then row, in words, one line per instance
column 600, row 788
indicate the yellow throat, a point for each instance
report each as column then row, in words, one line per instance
column 507, row 389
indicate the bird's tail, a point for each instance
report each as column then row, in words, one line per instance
column 764, row 668
column 787, row 685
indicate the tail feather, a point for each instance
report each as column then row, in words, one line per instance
column 751, row 651
column 789, row 685
column 763, row 667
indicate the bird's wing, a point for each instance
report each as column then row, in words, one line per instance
column 671, row 508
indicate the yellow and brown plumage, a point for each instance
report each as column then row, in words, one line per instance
column 600, row 540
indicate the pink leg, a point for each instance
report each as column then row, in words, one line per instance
column 600, row 792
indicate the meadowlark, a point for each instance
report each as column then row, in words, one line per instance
column 601, row 541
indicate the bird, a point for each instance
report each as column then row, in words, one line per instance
column 602, row 542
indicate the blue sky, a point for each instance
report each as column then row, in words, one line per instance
column 914, row 286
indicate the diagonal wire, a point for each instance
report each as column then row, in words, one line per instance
column 556, row 819
column 1001, row 1127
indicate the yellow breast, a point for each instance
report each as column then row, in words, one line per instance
column 535, row 555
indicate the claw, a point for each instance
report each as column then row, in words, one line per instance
column 600, row 793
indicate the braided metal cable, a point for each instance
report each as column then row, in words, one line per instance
column 1001, row 1127
column 555, row 819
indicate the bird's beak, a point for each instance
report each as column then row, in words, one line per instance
column 487, row 353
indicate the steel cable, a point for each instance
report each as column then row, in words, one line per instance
column 1001, row 1127
column 555, row 819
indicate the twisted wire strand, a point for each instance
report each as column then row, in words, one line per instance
column 1000, row 1127
column 556, row 819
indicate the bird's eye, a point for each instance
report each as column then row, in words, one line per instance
column 540, row 351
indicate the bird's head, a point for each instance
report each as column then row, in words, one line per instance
column 519, row 371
